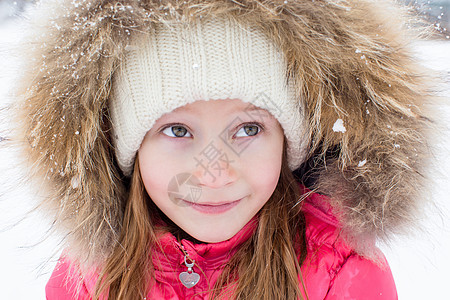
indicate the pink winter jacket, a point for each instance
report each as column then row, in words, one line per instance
column 331, row 270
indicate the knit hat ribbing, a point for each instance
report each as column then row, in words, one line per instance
column 208, row 60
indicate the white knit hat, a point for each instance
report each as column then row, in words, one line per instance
column 207, row 60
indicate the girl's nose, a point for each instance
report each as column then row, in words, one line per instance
column 215, row 166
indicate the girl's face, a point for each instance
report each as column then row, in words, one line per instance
column 211, row 165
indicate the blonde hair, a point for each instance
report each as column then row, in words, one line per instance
column 265, row 267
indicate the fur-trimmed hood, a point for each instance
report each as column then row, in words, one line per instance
column 350, row 64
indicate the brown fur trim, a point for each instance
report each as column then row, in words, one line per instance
column 348, row 59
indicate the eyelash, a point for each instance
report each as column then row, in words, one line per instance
column 236, row 129
column 259, row 125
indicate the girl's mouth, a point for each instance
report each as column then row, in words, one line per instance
column 212, row 208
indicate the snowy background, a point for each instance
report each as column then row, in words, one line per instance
column 420, row 263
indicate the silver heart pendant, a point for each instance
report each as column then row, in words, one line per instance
column 189, row 279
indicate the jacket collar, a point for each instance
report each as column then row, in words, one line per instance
column 169, row 253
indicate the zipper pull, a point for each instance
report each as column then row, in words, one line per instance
column 189, row 278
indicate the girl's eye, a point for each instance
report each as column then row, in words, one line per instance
column 248, row 130
column 176, row 131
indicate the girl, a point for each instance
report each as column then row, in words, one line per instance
column 223, row 149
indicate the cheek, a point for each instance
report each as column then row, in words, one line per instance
column 264, row 167
column 268, row 177
column 155, row 174
column 267, row 157
column 163, row 169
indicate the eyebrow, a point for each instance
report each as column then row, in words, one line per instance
column 253, row 108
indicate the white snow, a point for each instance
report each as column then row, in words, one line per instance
column 339, row 126
column 27, row 254
column 420, row 263
column 362, row 163
column 74, row 183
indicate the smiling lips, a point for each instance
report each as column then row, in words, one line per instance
column 210, row 208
